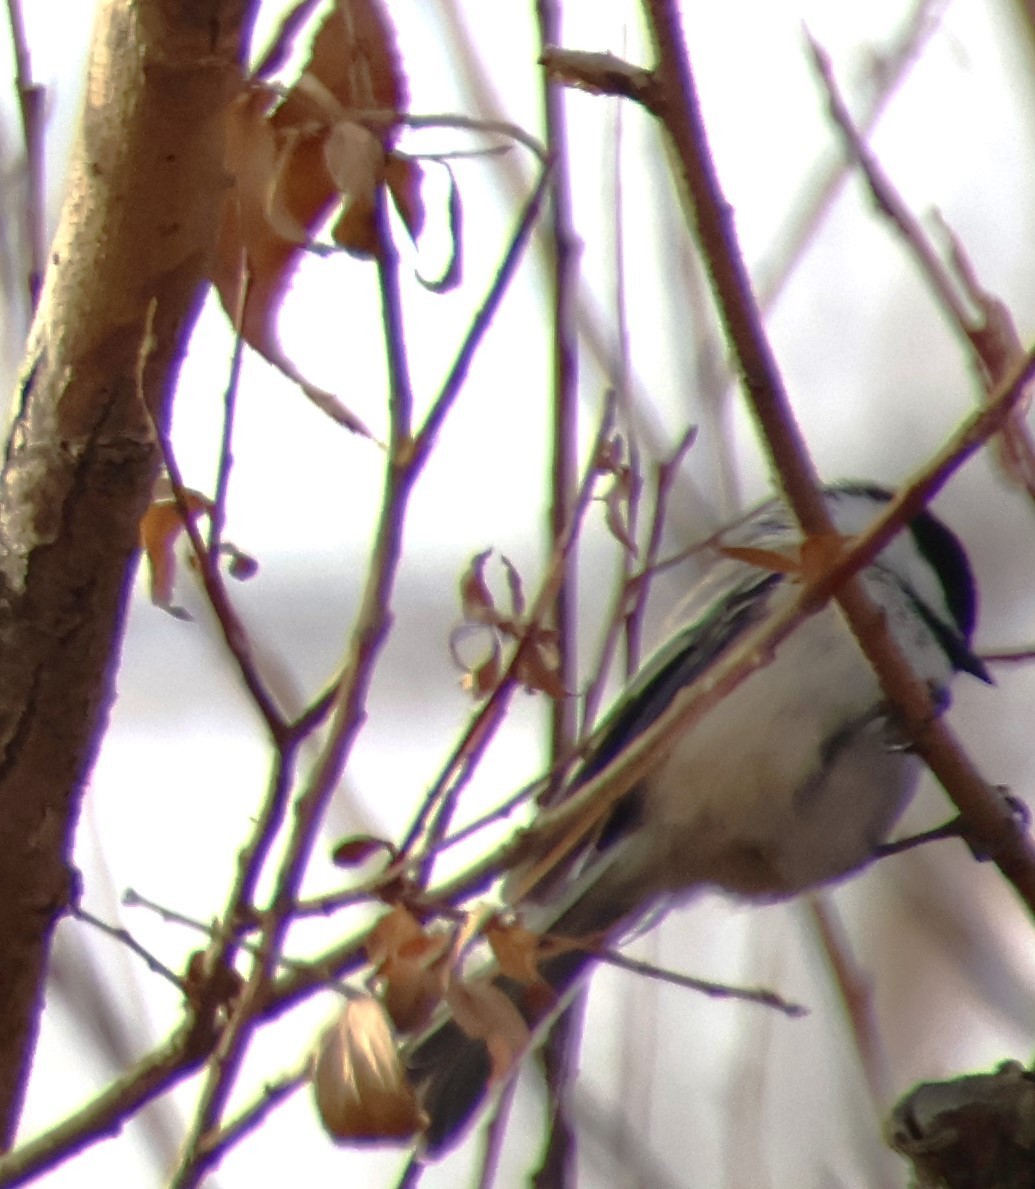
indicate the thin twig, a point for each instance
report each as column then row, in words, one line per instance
column 758, row 995
column 855, row 991
column 495, row 1133
column 31, row 98
column 989, row 333
column 234, row 636
column 564, row 405
column 1010, row 656
column 106, row 1114
column 122, row 935
column 458, row 767
column 885, row 195
column 482, row 320
column 564, row 467
column 369, row 634
column 217, row 1143
column 889, row 70
column 630, row 603
column 217, row 510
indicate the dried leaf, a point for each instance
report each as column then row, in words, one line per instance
column 516, row 949
column 355, row 59
column 476, row 652
column 351, row 852
column 288, row 164
column 517, row 593
column 453, row 273
column 281, row 192
column 616, row 510
column 765, row 559
column 610, row 456
column 160, row 529
column 360, row 1086
column 390, row 932
column 404, row 178
column 480, row 681
column 538, row 667
column 411, row 965
column 356, row 162
column 486, row 1013
column 476, row 601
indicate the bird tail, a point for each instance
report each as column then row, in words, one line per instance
column 495, row 1021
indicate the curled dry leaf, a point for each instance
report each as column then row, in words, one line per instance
column 997, row 343
column 517, row 593
column 617, row 511
column 538, row 665
column 452, row 273
column 351, row 852
column 516, row 949
column 485, row 1012
column 610, row 456
column 160, row 529
column 359, row 1083
column 610, row 460
column 411, row 965
column 476, row 652
column 480, row 681
column 476, row 601
column 294, row 158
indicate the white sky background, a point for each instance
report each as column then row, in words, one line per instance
column 722, row 1094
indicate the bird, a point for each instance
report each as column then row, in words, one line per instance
column 791, row 782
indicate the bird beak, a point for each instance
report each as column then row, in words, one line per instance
column 969, row 662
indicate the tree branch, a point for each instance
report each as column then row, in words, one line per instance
column 143, row 195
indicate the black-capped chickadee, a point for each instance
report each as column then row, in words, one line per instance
column 792, row 781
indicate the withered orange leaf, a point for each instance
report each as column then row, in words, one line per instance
column 411, row 965
column 361, row 1090
column 355, row 161
column 481, row 680
column 389, row 932
column 538, row 666
column 284, row 156
column 516, row 949
column 275, row 203
column 355, row 59
column 160, row 528
column 486, row 1013
column 404, row 178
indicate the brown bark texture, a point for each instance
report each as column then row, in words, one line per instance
column 124, row 284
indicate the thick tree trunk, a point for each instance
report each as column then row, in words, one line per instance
column 131, row 253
